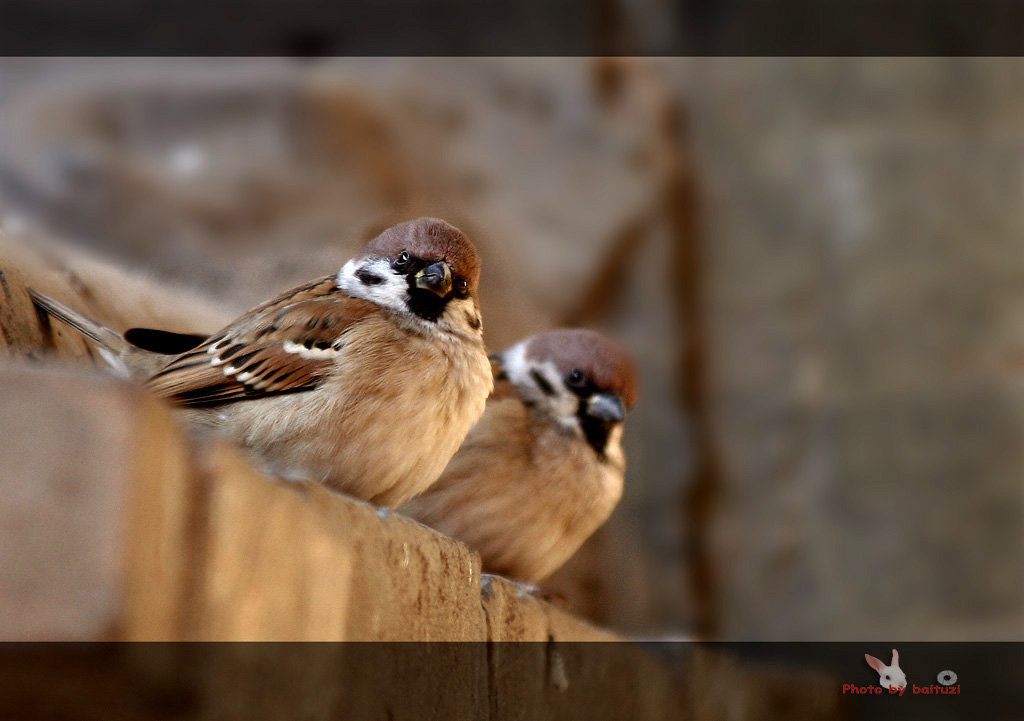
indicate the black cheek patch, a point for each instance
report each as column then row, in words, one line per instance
column 542, row 383
column 367, row 278
column 474, row 320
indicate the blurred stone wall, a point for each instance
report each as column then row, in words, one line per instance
column 866, row 256
column 856, row 260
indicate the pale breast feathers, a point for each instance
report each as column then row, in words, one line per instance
column 286, row 345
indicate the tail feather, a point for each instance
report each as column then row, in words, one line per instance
column 82, row 323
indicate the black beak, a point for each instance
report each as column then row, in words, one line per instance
column 606, row 407
column 436, row 278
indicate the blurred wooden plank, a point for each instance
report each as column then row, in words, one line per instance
column 274, row 569
column 101, row 290
column 79, row 450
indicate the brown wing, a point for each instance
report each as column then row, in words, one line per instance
column 319, row 288
column 273, row 349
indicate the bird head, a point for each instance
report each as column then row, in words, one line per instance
column 424, row 270
column 578, row 378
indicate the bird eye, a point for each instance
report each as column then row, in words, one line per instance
column 403, row 258
column 576, row 377
column 463, row 287
column 886, row 677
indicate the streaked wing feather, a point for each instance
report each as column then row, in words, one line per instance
column 275, row 349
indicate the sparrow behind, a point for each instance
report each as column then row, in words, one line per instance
column 544, row 466
column 366, row 381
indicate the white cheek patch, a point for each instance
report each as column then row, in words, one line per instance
column 391, row 291
column 561, row 405
column 564, row 404
column 514, row 362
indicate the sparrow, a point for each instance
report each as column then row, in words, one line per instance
column 544, row 466
column 366, row 381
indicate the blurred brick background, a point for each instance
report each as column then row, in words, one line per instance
column 817, row 263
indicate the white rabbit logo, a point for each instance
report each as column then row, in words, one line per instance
column 891, row 676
